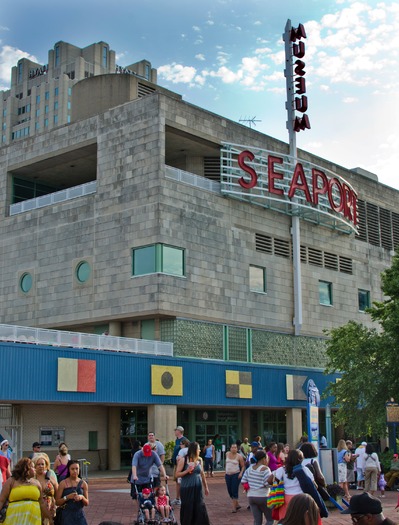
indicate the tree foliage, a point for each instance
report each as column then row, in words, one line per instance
column 368, row 362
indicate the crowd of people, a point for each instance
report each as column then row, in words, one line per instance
column 34, row 494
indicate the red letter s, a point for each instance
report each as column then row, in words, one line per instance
column 251, row 172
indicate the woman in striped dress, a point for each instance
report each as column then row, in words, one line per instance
column 255, row 483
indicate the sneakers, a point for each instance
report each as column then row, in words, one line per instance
column 176, row 502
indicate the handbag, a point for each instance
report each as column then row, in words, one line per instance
column 276, row 496
column 58, row 515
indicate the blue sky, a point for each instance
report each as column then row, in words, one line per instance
column 227, row 56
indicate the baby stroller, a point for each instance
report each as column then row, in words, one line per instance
column 171, row 520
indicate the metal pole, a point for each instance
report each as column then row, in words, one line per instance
column 328, row 426
column 295, row 225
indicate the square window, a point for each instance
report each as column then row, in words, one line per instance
column 325, row 293
column 257, row 279
column 144, row 260
column 364, row 300
column 172, row 260
column 158, row 258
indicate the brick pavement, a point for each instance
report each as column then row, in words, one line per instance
column 110, row 501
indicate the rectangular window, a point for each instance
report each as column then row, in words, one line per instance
column 46, row 109
column 47, row 95
column 38, row 99
column 325, row 293
column 257, row 279
column 364, row 300
column 158, row 258
column 4, row 112
column 55, row 119
column 56, row 105
column 57, row 56
column 172, row 260
column 46, row 122
column 105, row 56
column 37, row 125
column 56, row 92
column 69, row 91
column 148, row 329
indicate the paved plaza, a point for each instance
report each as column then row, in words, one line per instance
column 110, row 501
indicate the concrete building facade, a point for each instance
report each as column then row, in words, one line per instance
column 134, row 235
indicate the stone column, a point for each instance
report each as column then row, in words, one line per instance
column 246, row 425
column 115, row 328
column 114, row 445
column 294, row 426
column 162, row 421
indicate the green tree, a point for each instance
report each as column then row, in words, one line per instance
column 368, row 362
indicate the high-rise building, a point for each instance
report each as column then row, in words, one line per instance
column 40, row 95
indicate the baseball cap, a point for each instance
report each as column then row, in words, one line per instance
column 180, row 428
column 254, row 444
column 364, row 443
column 363, row 504
column 146, row 491
column 147, row 450
column 36, row 444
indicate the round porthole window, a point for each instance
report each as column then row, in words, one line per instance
column 26, row 282
column 83, row 271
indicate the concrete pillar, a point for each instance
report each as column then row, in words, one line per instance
column 246, row 425
column 162, row 419
column 115, row 328
column 114, row 444
column 294, row 426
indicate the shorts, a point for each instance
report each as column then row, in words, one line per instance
column 342, row 473
column 350, row 476
column 360, row 474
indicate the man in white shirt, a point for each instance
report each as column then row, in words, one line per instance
column 360, row 451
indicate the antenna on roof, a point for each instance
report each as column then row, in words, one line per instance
column 250, row 121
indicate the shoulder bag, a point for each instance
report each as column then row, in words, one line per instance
column 276, row 496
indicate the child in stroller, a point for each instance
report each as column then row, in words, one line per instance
column 162, row 503
column 147, row 505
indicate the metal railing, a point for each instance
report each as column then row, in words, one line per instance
column 54, row 198
column 43, row 336
column 192, row 179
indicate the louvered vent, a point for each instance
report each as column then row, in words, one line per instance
column 282, row 248
column 304, row 254
column 212, row 168
column 345, row 265
column 373, row 227
column 362, row 225
column 331, row 261
column 263, row 243
column 143, row 90
column 315, row 257
column 395, row 230
column 385, row 229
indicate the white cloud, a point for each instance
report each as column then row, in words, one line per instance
column 350, row 100
column 176, row 73
column 197, row 29
column 200, row 56
column 9, row 57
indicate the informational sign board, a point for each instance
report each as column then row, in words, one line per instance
column 313, row 413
